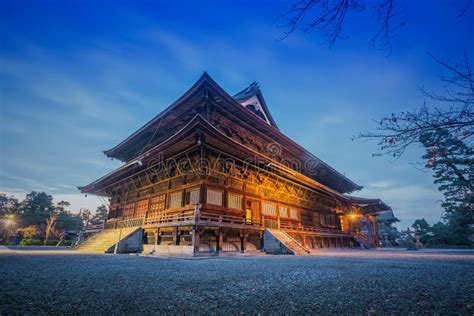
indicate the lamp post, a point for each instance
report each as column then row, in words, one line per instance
column 9, row 225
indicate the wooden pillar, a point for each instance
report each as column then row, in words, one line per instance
column 219, row 240
column 196, row 240
column 376, row 231
column 176, row 236
column 243, row 241
column 195, row 230
column 157, row 232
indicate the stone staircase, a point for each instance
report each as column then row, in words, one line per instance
column 292, row 246
column 106, row 240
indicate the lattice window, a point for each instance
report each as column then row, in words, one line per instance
column 322, row 219
column 284, row 211
column 235, row 201
column 329, row 220
column 192, row 196
column 214, row 197
column 128, row 210
column 141, row 207
column 294, row 213
column 112, row 214
column 269, row 209
column 157, row 205
column 176, row 199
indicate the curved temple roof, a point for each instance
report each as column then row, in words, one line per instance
column 162, row 124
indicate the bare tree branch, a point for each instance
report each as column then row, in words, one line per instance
column 385, row 15
column 453, row 112
column 464, row 9
column 328, row 17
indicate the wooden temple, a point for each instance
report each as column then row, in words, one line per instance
column 213, row 173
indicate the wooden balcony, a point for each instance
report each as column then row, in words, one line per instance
column 190, row 216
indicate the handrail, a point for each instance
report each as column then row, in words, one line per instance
column 362, row 236
column 132, row 222
column 312, row 229
column 191, row 216
column 221, row 218
column 172, row 217
column 295, row 241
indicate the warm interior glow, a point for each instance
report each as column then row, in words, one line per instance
column 353, row 216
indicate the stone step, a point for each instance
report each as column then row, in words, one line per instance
column 290, row 243
column 106, row 239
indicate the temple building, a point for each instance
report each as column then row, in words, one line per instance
column 213, row 173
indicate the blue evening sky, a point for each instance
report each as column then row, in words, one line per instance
column 77, row 77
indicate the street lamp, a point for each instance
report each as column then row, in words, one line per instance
column 8, row 225
column 9, row 220
column 353, row 216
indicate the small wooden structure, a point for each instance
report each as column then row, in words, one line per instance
column 211, row 172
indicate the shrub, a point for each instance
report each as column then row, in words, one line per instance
column 38, row 242
column 31, row 242
column 51, row 242
column 67, row 243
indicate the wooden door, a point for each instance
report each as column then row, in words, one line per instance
column 255, row 207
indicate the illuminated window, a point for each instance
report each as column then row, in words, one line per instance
column 293, row 213
column 214, row 197
column 192, row 196
column 269, row 209
column 176, row 199
column 157, row 205
column 235, row 201
column 141, row 207
column 128, row 210
column 284, row 211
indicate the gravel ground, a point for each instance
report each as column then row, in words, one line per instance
column 348, row 282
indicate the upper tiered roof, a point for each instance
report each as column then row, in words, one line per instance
column 246, row 107
column 252, row 99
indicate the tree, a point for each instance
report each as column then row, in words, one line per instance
column 85, row 216
column 421, row 226
column 8, row 204
column 452, row 112
column 50, row 223
column 36, row 203
column 58, row 214
column 446, row 132
column 29, row 232
column 454, row 232
column 101, row 213
column 62, row 206
column 328, row 18
column 453, row 164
